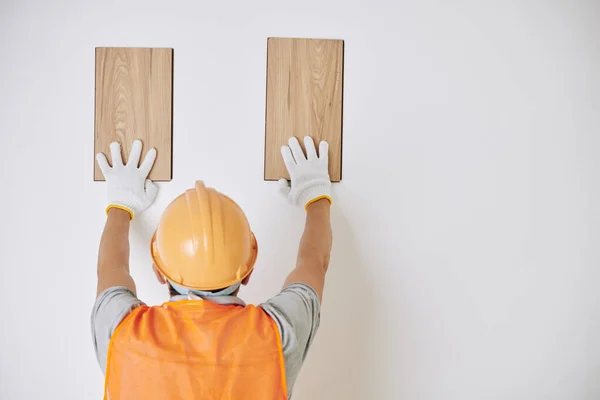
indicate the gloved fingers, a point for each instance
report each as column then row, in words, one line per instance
column 284, row 187
column 115, row 154
column 151, row 190
column 288, row 158
column 296, row 150
column 148, row 162
column 324, row 152
column 103, row 164
column 134, row 155
column 311, row 151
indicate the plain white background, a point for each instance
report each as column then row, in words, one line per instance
column 466, row 228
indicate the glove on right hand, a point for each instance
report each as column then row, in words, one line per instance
column 309, row 174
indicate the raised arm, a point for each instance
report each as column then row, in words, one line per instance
column 315, row 247
column 113, row 256
column 129, row 193
column 311, row 189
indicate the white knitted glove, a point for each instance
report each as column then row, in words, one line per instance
column 309, row 174
column 125, row 183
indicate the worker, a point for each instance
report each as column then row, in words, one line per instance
column 205, row 342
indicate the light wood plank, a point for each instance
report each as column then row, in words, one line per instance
column 304, row 97
column 134, row 94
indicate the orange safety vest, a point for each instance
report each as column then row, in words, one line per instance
column 195, row 349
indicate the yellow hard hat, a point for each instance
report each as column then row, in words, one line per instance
column 203, row 241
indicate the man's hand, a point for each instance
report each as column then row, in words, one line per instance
column 311, row 188
column 129, row 192
column 309, row 174
column 126, row 185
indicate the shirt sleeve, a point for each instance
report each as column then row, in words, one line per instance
column 296, row 311
column 110, row 308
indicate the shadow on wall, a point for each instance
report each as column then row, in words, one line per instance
column 141, row 231
column 340, row 363
column 140, row 236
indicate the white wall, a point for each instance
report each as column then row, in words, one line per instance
column 467, row 227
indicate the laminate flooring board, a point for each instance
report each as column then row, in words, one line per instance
column 134, row 97
column 304, row 97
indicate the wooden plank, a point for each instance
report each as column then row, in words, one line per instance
column 304, row 97
column 134, row 97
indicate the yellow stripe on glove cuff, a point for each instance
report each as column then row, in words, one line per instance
column 120, row 207
column 317, row 199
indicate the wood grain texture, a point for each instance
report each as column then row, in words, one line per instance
column 304, row 97
column 134, row 97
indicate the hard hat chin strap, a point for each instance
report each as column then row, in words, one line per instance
column 224, row 292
